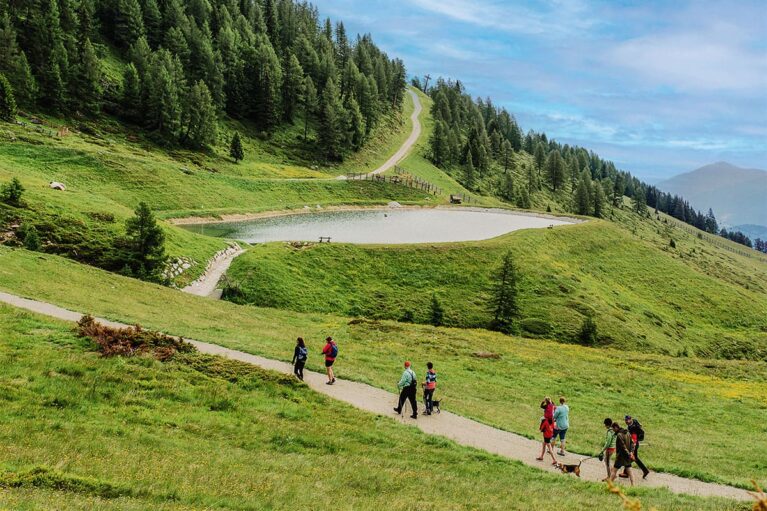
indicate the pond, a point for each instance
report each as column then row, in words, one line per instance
column 391, row 226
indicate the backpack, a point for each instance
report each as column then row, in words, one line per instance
column 625, row 439
column 303, row 353
column 413, row 379
column 639, row 431
column 333, row 350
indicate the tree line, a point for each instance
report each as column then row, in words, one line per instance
column 175, row 66
column 477, row 142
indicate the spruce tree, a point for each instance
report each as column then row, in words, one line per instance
column 152, row 22
column 200, row 123
column 89, row 75
column 32, row 239
column 507, row 190
column 268, row 84
column 583, row 202
column 439, row 144
column 503, row 304
column 235, row 148
column 292, row 87
column 23, row 82
column 640, row 202
column 12, row 192
column 436, row 312
column 523, row 199
column 145, row 242
column 599, row 200
column 507, row 151
column 131, row 94
column 539, row 157
column 556, row 170
column 331, row 122
column 7, row 100
column 355, row 124
column 128, row 23
column 469, row 177
column 310, row 102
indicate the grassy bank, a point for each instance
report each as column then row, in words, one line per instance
column 716, row 403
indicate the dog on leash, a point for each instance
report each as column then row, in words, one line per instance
column 570, row 469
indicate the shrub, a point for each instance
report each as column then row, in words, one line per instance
column 437, row 317
column 11, row 193
column 131, row 341
column 535, row 326
column 672, row 243
column 31, row 239
column 588, row 333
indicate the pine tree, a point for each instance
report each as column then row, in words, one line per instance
column 292, row 87
column 583, row 202
column 89, row 75
column 131, row 94
column 32, row 239
column 310, row 102
column 12, row 192
column 199, row 117
column 331, row 122
column 23, row 82
column 437, row 312
column 640, row 202
column 268, row 84
column 507, row 190
column 556, row 170
column 523, row 199
column 235, row 148
column 152, row 22
column 588, row 334
column 145, row 241
column 7, row 100
column 469, row 172
column 507, row 151
column 503, row 304
column 164, row 90
column 439, row 144
column 355, row 124
column 129, row 23
column 599, row 200
column 539, row 157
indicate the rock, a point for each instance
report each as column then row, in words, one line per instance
column 58, row 186
column 394, row 204
column 186, row 266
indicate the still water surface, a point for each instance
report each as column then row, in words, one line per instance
column 386, row 227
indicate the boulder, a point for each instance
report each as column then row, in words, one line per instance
column 55, row 185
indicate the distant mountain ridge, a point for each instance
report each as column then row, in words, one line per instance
column 738, row 196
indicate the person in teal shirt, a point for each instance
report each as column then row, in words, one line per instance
column 407, row 387
column 562, row 420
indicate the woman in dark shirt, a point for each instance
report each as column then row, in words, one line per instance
column 300, row 354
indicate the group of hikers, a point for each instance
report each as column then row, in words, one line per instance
column 620, row 443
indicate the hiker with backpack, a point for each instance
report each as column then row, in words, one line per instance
column 624, row 453
column 300, row 354
column 407, row 386
column 548, row 408
column 429, row 384
column 637, row 435
column 330, row 350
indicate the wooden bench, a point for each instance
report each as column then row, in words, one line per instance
column 324, row 239
column 456, row 199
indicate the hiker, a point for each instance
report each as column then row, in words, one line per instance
column 637, row 435
column 548, row 408
column 428, row 387
column 562, row 422
column 547, row 428
column 624, row 453
column 608, row 449
column 407, row 389
column 300, row 354
column 330, row 350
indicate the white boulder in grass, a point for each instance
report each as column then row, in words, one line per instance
column 55, row 185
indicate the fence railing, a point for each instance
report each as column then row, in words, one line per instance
column 717, row 240
column 399, row 179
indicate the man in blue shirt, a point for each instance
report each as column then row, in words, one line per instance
column 562, row 420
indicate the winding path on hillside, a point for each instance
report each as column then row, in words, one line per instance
column 207, row 283
column 460, row 429
column 405, row 148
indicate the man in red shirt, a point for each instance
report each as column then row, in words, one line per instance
column 331, row 352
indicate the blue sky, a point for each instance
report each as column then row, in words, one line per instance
column 658, row 87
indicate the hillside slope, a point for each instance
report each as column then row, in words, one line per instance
column 737, row 195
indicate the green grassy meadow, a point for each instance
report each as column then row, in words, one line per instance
column 672, row 396
column 200, row 432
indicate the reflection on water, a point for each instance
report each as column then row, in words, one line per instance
column 388, row 227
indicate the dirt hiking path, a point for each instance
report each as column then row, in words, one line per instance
column 405, row 148
column 207, row 283
column 460, row 429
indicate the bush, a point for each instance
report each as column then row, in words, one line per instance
column 31, row 239
column 437, row 315
column 11, row 193
column 131, row 341
column 535, row 326
column 587, row 336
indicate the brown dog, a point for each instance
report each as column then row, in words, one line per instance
column 570, row 469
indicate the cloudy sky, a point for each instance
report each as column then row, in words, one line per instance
column 659, row 87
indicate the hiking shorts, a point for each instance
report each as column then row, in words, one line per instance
column 560, row 433
column 329, row 363
column 622, row 463
column 547, row 440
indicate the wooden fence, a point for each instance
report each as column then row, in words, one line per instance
column 717, row 240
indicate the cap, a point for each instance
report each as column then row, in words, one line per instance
column 627, row 417
column 407, row 363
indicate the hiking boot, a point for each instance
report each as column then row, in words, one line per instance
column 625, row 476
column 562, row 453
column 330, row 382
column 413, row 416
column 645, row 474
column 397, row 410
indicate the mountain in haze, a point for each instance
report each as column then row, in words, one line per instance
column 738, row 196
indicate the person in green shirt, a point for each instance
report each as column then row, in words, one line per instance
column 608, row 449
column 407, row 386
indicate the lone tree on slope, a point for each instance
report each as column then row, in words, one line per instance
column 235, row 148
column 504, row 300
column 146, row 242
